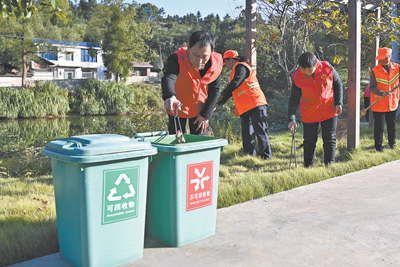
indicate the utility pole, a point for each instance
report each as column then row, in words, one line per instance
column 395, row 43
column 354, row 67
column 251, row 31
column 374, row 62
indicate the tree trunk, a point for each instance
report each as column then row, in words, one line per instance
column 24, row 68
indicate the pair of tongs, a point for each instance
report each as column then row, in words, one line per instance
column 293, row 148
column 179, row 133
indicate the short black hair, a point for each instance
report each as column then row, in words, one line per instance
column 308, row 60
column 203, row 38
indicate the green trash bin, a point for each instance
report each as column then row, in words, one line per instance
column 100, row 184
column 183, row 188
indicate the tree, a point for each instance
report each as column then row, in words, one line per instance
column 286, row 33
column 124, row 39
column 18, row 39
column 86, row 8
column 291, row 27
column 149, row 12
column 20, row 12
column 25, row 9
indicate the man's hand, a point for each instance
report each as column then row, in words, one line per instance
column 202, row 123
column 338, row 109
column 292, row 126
column 172, row 103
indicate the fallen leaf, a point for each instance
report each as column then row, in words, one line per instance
column 45, row 201
column 24, row 211
column 41, row 208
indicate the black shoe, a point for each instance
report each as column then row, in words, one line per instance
column 379, row 149
column 391, row 146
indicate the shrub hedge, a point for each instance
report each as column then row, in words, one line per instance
column 95, row 97
column 41, row 100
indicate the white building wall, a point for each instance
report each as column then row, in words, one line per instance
column 10, row 81
column 63, row 64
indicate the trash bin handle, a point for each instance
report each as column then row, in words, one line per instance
column 141, row 136
column 71, row 143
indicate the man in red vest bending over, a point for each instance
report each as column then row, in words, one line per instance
column 191, row 83
column 317, row 86
column 383, row 78
column 250, row 104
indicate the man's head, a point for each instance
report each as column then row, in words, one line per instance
column 230, row 58
column 384, row 56
column 201, row 45
column 308, row 63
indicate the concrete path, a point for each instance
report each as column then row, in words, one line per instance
column 351, row 220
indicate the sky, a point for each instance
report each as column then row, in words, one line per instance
column 206, row 7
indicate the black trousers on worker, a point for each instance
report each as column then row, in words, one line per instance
column 366, row 104
column 310, row 136
column 379, row 124
column 254, row 124
column 183, row 121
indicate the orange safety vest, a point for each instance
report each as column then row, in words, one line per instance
column 317, row 98
column 249, row 94
column 190, row 88
column 385, row 82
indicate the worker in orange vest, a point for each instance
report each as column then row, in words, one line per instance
column 383, row 78
column 318, row 88
column 250, row 104
column 191, row 83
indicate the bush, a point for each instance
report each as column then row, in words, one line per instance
column 42, row 100
column 102, row 98
column 277, row 110
column 225, row 124
column 147, row 97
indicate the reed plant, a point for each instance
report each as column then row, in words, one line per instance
column 43, row 99
column 102, row 98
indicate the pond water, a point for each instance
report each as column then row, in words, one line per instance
column 22, row 140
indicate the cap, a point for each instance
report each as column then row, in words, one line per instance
column 383, row 53
column 231, row 54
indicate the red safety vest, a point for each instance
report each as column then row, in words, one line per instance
column 317, row 98
column 190, row 88
column 249, row 94
column 385, row 82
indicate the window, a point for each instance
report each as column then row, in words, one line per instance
column 87, row 74
column 85, row 57
column 69, row 75
column 49, row 56
column 69, row 56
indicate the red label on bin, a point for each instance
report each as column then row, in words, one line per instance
column 199, row 185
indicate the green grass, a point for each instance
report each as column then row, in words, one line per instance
column 28, row 221
column 28, row 227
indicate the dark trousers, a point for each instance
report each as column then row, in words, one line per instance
column 310, row 132
column 254, row 124
column 183, row 121
column 379, row 124
column 366, row 104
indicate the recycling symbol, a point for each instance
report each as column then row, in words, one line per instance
column 114, row 195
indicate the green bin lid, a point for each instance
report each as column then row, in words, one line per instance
column 169, row 143
column 97, row 147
